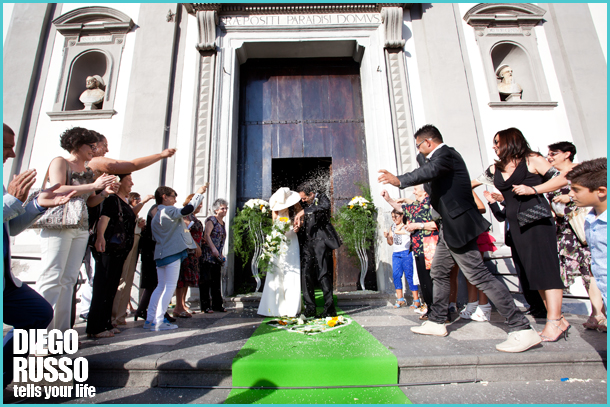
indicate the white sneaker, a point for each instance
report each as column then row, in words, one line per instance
column 482, row 314
column 165, row 327
column 148, row 325
column 467, row 312
column 421, row 310
column 430, row 328
column 519, row 341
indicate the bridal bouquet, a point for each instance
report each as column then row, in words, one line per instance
column 249, row 226
column 273, row 243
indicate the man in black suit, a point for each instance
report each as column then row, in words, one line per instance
column 446, row 180
column 317, row 240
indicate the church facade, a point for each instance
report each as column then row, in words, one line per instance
column 259, row 96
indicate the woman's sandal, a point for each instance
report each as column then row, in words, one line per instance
column 413, row 306
column 400, row 303
column 183, row 314
column 115, row 330
column 593, row 322
column 562, row 332
column 105, row 334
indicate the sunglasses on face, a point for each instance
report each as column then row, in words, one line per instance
column 422, row 142
column 93, row 147
column 554, row 153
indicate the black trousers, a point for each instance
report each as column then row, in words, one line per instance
column 425, row 281
column 108, row 270
column 316, row 265
column 210, row 286
column 469, row 259
column 23, row 308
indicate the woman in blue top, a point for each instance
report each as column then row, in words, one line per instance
column 173, row 239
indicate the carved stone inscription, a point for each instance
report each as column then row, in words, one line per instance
column 304, row 20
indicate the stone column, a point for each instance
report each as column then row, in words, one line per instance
column 29, row 44
column 147, row 125
column 582, row 74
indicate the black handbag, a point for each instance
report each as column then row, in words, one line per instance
column 537, row 212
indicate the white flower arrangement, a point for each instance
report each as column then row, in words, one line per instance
column 259, row 204
column 358, row 200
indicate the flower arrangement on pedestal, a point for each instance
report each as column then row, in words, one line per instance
column 250, row 226
column 356, row 224
column 272, row 247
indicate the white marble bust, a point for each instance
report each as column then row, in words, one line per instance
column 94, row 93
column 507, row 87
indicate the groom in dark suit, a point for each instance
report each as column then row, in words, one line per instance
column 446, row 180
column 317, row 239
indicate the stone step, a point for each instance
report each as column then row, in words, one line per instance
column 201, row 351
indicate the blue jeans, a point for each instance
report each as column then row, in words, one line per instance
column 24, row 308
column 402, row 263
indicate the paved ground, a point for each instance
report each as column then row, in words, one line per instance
column 138, row 366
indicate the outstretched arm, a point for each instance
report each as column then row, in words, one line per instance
column 441, row 164
column 389, row 200
column 114, row 166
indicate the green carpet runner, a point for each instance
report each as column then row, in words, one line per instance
column 347, row 356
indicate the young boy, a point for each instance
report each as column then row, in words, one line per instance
column 589, row 189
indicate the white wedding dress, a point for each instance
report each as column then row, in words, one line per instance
column 282, row 293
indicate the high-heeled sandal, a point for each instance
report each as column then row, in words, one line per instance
column 593, row 322
column 400, row 302
column 416, row 304
column 105, row 334
column 562, row 332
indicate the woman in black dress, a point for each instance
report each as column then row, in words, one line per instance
column 109, row 257
column 522, row 176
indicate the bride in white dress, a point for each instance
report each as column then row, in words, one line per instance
column 282, row 292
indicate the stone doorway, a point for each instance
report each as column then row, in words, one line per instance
column 302, row 109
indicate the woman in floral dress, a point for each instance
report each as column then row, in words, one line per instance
column 574, row 256
column 189, row 269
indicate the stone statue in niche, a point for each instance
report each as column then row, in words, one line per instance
column 510, row 91
column 93, row 97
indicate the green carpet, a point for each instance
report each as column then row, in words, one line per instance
column 346, row 356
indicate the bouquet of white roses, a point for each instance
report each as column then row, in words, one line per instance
column 273, row 243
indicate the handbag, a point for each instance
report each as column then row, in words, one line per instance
column 576, row 219
column 430, row 243
column 537, row 212
column 72, row 215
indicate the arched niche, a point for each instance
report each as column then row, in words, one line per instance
column 94, row 42
column 513, row 55
column 89, row 63
column 505, row 34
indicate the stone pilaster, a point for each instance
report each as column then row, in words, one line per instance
column 400, row 104
column 204, row 118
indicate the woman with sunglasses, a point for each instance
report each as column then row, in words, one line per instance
column 62, row 250
column 522, row 175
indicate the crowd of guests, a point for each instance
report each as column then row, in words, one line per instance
column 100, row 219
column 435, row 234
column 554, row 214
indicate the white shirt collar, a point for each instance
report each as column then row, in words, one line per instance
column 433, row 151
